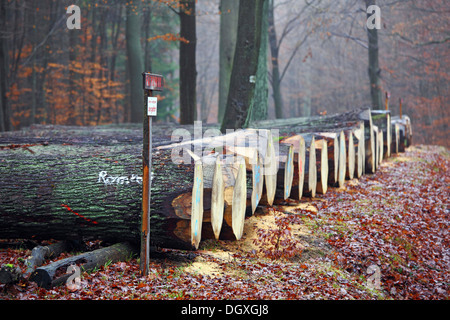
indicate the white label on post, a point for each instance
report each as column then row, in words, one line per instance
column 152, row 106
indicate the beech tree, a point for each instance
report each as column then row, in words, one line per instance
column 229, row 14
column 135, row 60
column 245, row 65
column 374, row 66
column 188, row 68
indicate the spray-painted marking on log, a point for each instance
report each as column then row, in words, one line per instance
column 107, row 180
column 79, row 215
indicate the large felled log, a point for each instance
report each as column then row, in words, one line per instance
column 73, row 183
column 405, row 131
column 331, row 123
column 45, row 276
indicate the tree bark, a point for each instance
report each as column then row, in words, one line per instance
column 374, row 67
column 85, row 183
column 135, row 60
column 274, row 50
column 228, row 33
column 188, row 71
column 5, row 113
column 259, row 103
column 245, row 64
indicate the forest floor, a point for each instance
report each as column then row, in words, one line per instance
column 383, row 236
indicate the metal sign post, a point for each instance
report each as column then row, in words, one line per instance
column 152, row 82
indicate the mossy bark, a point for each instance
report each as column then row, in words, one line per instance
column 87, row 183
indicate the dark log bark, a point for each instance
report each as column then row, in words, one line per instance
column 85, row 183
column 45, row 276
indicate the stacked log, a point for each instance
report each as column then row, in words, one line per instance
column 71, row 182
column 403, row 125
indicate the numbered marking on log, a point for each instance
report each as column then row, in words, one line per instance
column 258, row 181
column 197, row 205
column 239, row 201
column 217, row 199
column 289, row 172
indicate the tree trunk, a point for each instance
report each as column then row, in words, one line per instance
column 5, row 113
column 259, row 103
column 228, row 32
column 188, row 71
column 245, row 65
column 374, row 68
column 135, row 60
column 274, row 50
column 75, row 182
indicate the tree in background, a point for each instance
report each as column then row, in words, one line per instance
column 188, row 67
column 245, row 65
column 135, row 60
column 303, row 18
column 229, row 14
column 374, row 66
column 259, row 104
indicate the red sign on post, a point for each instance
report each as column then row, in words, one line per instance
column 153, row 82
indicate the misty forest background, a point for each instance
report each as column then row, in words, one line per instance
column 313, row 58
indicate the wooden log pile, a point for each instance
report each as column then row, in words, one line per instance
column 72, row 183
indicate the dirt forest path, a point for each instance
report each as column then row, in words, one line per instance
column 384, row 236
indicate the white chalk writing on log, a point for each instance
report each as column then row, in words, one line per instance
column 107, row 179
